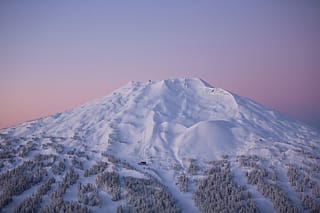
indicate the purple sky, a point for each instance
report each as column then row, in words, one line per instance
column 57, row 54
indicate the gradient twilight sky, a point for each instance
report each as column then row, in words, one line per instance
column 57, row 54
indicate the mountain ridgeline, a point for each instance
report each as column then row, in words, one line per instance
column 176, row 145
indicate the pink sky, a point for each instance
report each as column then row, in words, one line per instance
column 56, row 55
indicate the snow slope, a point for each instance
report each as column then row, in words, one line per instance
column 170, row 123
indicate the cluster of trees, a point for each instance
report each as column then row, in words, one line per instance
column 193, row 167
column 7, row 151
column 126, row 165
column 45, row 146
column 78, row 153
column 6, row 154
column 301, row 181
column 71, row 152
column 148, row 195
column 82, row 154
column 58, row 147
column 110, row 182
column 257, row 175
column 88, row 194
column 116, row 161
column 3, row 135
column 111, row 158
column 281, row 202
column 58, row 168
column 69, row 179
column 248, row 161
column 217, row 166
column 19, row 179
column 12, row 141
column 309, row 154
column 217, row 192
column 45, row 160
column 24, row 150
column 183, row 183
column 120, row 209
column 267, row 183
column 96, row 169
column 311, row 204
column 177, row 167
column 59, row 205
column 77, row 163
column 33, row 202
column 316, row 189
column 315, row 168
column 5, row 199
column 105, row 154
column 112, row 138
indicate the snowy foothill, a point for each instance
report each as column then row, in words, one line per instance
column 175, row 137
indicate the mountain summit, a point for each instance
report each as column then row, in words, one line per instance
column 179, row 140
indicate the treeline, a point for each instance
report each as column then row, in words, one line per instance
column 303, row 184
column 112, row 159
column 267, row 183
column 77, row 163
column 110, row 182
column 311, row 204
column 58, row 168
column 24, row 150
column 96, row 169
column 19, row 179
column 78, row 153
column 57, row 203
column 193, row 167
column 148, row 195
column 13, row 147
column 33, row 202
column 217, row 192
column 45, row 160
column 183, row 183
column 88, row 194
column 69, row 179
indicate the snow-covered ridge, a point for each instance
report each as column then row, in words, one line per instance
column 138, row 111
column 164, row 129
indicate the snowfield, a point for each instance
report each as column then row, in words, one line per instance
column 176, row 145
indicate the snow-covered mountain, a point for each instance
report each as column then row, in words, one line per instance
column 162, row 146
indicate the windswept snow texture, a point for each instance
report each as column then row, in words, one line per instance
column 160, row 130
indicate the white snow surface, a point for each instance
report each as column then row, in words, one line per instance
column 171, row 119
column 166, row 123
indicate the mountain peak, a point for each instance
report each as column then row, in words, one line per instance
column 194, row 80
column 175, row 81
column 164, row 111
column 167, row 129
